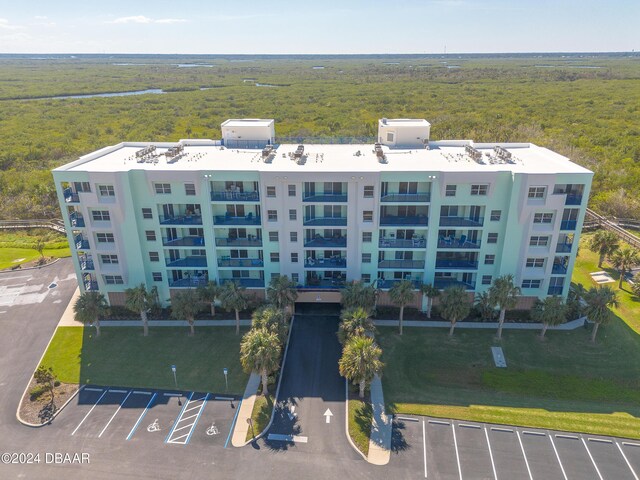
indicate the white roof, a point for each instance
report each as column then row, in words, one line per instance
column 259, row 122
column 409, row 122
column 445, row 156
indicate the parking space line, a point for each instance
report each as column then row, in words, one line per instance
column 455, row 443
column 493, row 465
column 499, row 429
column 172, row 394
column 190, row 420
column 206, row 397
column 466, row 425
column 558, row 457
column 538, row 434
column 89, row 412
column 424, row 449
column 408, row 419
column 177, row 418
column 233, row 423
column 117, row 391
column 570, row 437
column 223, row 398
column 140, row 392
column 91, row 389
column 439, row 422
column 287, row 438
column 526, row 462
column 627, row 461
column 144, row 412
column 592, row 460
column 114, row 413
column 631, row 444
column 601, row 440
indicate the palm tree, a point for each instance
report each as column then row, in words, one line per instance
column 636, row 285
column 430, row 292
column 604, row 243
column 357, row 294
column 355, row 322
column 401, row 294
column 140, row 300
column 271, row 318
column 260, row 353
column 454, row 305
column 185, row 305
column 599, row 300
column 89, row 307
column 484, row 306
column 232, row 298
column 503, row 294
column 209, row 293
column 624, row 260
column 360, row 361
column 550, row 312
column 282, row 292
column 575, row 300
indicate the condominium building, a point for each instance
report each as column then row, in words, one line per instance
column 246, row 208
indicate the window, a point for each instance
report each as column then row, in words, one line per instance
column 295, row 278
column 109, row 259
column 531, row 283
column 151, row 235
column 189, row 189
column 162, row 188
column 272, row 215
column 273, row 236
column 542, row 217
column 537, row 192
column 366, row 278
column 492, row 238
column 292, row 190
column 294, row 257
column 390, row 136
column 535, row 263
column 479, row 189
column 198, row 253
column 147, row 213
column 486, row 279
column 293, row 214
column 100, row 215
column 106, row 191
column 489, row 259
column 105, row 237
column 368, row 191
column 154, row 257
column 367, row 237
column 271, row 191
column 113, row 280
column 274, row 275
column 275, row 257
column 495, row 215
column 157, row 276
column 450, row 191
column 366, row 258
column 293, row 236
column 367, row 216
column 537, row 241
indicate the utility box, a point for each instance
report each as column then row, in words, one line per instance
column 404, row 132
column 248, row 133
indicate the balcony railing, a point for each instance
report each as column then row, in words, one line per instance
column 564, row 247
column 240, row 262
column 568, row 224
column 81, row 243
column 323, row 284
column 461, row 221
column 91, row 286
column 386, row 284
column 86, row 265
column 391, row 220
column 402, row 264
column 187, row 262
column 321, row 242
column 446, row 242
column 224, row 196
column 406, row 197
column 192, row 282
column 181, row 220
column 76, row 220
column 555, row 290
column 70, row 196
column 326, row 263
column 573, row 199
column 558, row 269
column 325, row 197
column 245, row 282
column 442, row 283
column 229, row 220
column 325, row 222
column 183, row 242
column 402, row 243
column 456, row 264
column 239, row 242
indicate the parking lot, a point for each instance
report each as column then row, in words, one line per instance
column 153, row 417
column 445, row 449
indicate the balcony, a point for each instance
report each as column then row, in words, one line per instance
column 568, row 224
column 558, row 269
column 325, row 222
column 70, row 196
column 554, row 290
column 181, row 220
column 322, row 242
column 461, row 221
column 249, row 219
column 91, row 286
column 456, row 264
column 86, row 265
column 250, row 241
column 406, row 197
column 183, row 242
column 387, row 284
column 442, row 283
column 458, row 243
column 402, row 264
column 240, row 262
column 326, row 263
column 81, row 243
column 245, row 282
column 573, row 199
column 392, row 220
column 402, row 243
column 76, row 220
column 226, row 196
column 192, row 262
column 325, row 198
column 188, row 282
column 564, row 247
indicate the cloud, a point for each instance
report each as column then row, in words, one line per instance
column 5, row 25
column 170, row 20
column 141, row 19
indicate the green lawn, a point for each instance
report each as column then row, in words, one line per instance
column 123, row 357
column 14, row 256
column 16, row 246
column 260, row 415
column 360, row 418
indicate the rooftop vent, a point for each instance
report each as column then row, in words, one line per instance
column 502, row 153
column 145, row 154
column 380, row 153
column 473, row 153
column 299, row 152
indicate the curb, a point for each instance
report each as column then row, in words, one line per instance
column 38, row 425
column 346, row 421
column 275, row 398
column 32, row 268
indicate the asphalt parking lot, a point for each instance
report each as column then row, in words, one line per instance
column 445, row 449
column 152, row 417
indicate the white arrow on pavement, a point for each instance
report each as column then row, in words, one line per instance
column 328, row 415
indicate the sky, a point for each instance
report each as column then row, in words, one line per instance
column 318, row 27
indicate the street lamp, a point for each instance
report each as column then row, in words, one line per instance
column 175, row 379
column 225, row 371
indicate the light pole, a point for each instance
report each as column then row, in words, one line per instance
column 225, row 371
column 175, row 379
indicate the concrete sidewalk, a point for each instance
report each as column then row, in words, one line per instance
column 572, row 325
column 239, row 438
column 381, row 426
